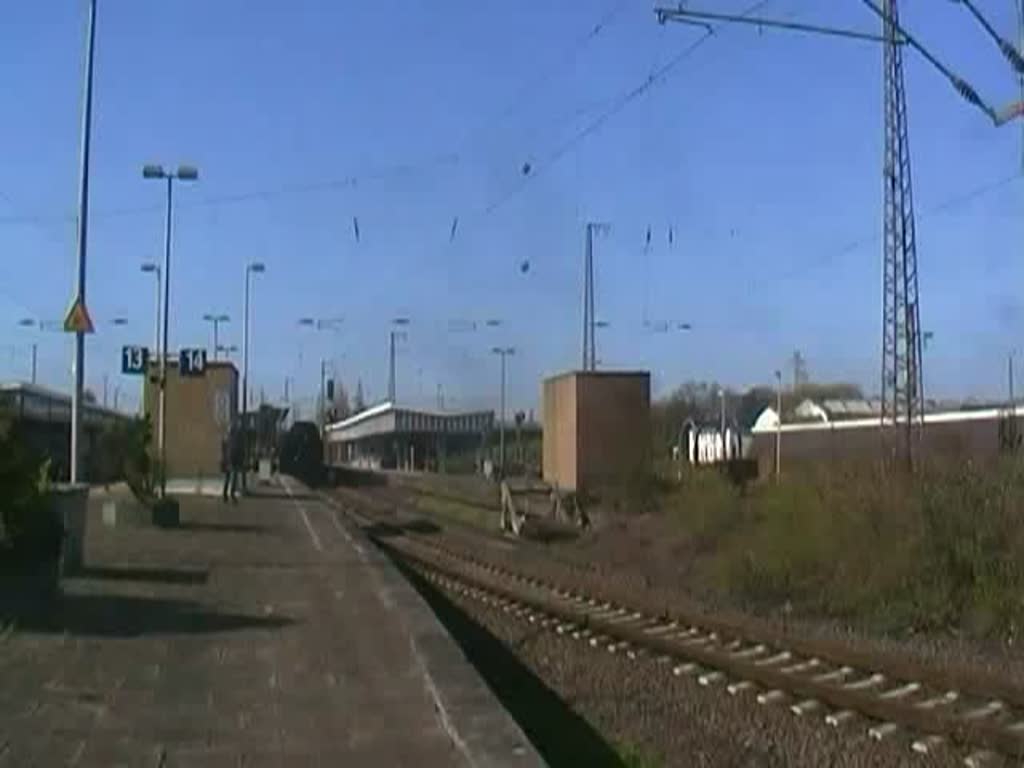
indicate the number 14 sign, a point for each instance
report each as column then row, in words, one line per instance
column 192, row 362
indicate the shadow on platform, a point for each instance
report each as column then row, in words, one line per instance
column 116, row 616
column 559, row 734
column 154, row 575
column 192, row 525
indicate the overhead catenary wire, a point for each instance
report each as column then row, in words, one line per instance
column 699, row 18
column 1007, row 48
column 618, row 104
column 959, row 84
column 942, row 207
column 540, row 77
column 351, row 181
column 1018, row 6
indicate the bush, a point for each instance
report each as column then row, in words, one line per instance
column 705, row 505
column 124, row 455
column 941, row 549
column 28, row 529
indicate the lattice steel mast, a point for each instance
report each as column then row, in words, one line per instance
column 589, row 340
column 902, row 376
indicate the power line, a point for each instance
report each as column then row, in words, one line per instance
column 959, row 84
column 540, row 77
column 683, row 16
column 1008, row 50
column 266, row 193
column 945, row 206
column 620, row 103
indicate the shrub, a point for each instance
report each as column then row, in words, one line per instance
column 28, row 529
column 124, row 454
column 941, row 548
column 706, row 505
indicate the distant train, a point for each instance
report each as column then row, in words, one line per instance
column 301, row 452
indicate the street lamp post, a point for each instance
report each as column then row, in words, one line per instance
column 184, row 173
column 42, row 325
column 502, row 352
column 28, row 323
column 321, row 324
column 256, row 267
column 216, row 320
column 154, row 268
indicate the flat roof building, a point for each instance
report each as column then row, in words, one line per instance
column 390, row 436
column 44, row 417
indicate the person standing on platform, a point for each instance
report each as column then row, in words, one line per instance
column 231, row 459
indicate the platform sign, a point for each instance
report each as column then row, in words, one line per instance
column 192, row 362
column 134, row 360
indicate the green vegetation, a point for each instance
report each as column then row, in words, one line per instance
column 636, row 757
column 458, row 511
column 29, row 532
column 938, row 550
column 124, row 455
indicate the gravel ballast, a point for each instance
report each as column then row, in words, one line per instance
column 640, row 706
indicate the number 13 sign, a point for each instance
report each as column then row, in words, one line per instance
column 134, row 360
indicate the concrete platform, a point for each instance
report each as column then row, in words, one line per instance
column 267, row 633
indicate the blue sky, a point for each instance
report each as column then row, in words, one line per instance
column 761, row 151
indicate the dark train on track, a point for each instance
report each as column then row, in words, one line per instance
column 301, row 452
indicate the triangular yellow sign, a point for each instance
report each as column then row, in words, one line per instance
column 77, row 319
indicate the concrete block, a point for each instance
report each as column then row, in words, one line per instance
column 119, row 512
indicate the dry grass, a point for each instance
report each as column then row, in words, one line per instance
column 941, row 549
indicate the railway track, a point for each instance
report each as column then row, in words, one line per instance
column 932, row 708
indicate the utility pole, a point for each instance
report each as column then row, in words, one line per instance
column 800, row 377
column 1009, row 372
column 83, row 229
column 589, row 313
column 778, row 426
column 391, row 367
column 502, row 352
column 902, row 376
column 394, row 334
column 323, row 394
column 35, row 356
column 589, row 353
column 184, row 173
column 725, row 450
column 1011, row 416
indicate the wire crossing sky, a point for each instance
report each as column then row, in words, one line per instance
column 468, row 144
